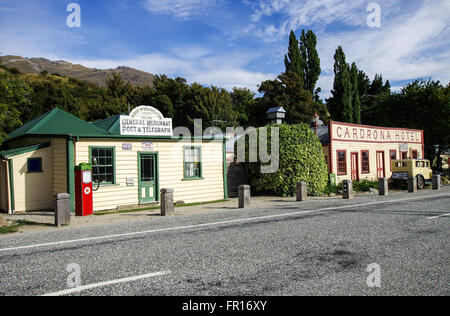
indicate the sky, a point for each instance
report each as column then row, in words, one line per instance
column 230, row 43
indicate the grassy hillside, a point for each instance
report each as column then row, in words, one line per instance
column 64, row 68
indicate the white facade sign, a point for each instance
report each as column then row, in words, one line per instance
column 403, row 147
column 147, row 146
column 145, row 121
column 127, row 146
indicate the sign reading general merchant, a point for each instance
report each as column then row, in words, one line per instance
column 145, row 121
column 361, row 133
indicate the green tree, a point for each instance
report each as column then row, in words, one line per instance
column 243, row 102
column 340, row 104
column 211, row 105
column 286, row 91
column 294, row 60
column 14, row 96
column 356, row 103
column 308, row 50
column 376, row 90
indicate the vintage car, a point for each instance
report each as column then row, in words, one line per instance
column 403, row 169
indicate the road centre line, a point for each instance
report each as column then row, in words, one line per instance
column 102, row 284
column 242, row 220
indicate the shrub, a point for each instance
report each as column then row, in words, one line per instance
column 364, row 186
column 301, row 159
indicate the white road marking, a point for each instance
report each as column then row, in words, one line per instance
column 101, row 284
column 242, row 220
column 443, row 215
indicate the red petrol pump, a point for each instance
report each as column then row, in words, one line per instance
column 83, row 190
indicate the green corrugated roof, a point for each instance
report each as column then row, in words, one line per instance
column 57, row 122
column 110, row 125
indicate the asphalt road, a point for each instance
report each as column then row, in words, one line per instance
column 320, row 247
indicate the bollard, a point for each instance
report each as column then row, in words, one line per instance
column 62, row 209
column 383, row 186
column 167, row 207
column 302, row 191
column 437, row 182
column 412, row 185
column 244, row 196
column 347, row 189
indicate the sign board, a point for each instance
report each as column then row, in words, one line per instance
column 130, row 182
column 147, row 146
column 403, row 147
column 87, row 176
column 127, row 146
column 360, row 133
column 145, row 121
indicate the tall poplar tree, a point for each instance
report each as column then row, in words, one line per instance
column 293, row 60
column 356, row 103
column 340, row 104
column 311, row 71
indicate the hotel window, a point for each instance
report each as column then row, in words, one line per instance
column 102, row 161
column 365, row 163
column 342, row 162
column 404, row 155
column 415, row 154
column 192, row 163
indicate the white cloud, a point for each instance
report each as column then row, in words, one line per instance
column 405, row 48
column 295, row 14
column 181, row 9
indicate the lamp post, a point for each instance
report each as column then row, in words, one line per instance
column 315, row 120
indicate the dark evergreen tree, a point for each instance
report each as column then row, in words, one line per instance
column 243, row 101
column 294, row 61
column 308, row 50
column 340, row 104
column 356, row 103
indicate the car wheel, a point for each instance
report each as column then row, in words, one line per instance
column 420, row 182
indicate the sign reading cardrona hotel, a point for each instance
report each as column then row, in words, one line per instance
column 145, row 121
column 359, row 133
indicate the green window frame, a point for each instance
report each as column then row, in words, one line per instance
column 192, row 168
column 34, row 165
column 104, row 171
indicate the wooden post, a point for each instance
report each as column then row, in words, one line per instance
column 167, row 207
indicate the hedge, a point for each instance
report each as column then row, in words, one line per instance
column 301, row 159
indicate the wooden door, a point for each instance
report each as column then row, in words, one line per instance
column 355, row 169
column 148, row 184
column 380, row 165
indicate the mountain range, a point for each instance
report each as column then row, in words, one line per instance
column 93, row 75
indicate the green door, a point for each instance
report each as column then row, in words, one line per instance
column 148, row 182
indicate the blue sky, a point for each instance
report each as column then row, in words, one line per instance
column 231, row 43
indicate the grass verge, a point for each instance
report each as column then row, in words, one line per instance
column 154, row 208
column 15, row 228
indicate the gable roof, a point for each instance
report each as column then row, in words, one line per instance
column 57, row 122
column 279, row 109
column 111, row 124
